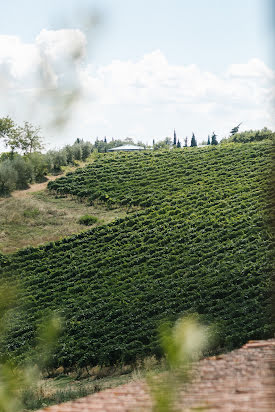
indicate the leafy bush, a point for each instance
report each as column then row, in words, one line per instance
column 87, row 220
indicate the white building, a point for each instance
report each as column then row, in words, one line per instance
column 126, row 148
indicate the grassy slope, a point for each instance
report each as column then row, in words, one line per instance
column 63, row 388
column 41, row 217
column 203, row 245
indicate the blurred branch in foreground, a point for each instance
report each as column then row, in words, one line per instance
column 14, row 378
column 183, row 345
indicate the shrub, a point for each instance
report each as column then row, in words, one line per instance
column 31, row 212
column 87, row 220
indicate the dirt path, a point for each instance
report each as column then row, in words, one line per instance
column 36, row 187
column 239, row 381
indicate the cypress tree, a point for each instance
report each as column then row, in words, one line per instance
column 178, row 144
column 185, row 142
column 175, row 138
column 214, row 140
column 208, row 141
column 193, row 141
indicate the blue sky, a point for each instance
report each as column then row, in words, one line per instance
column 229, row 40
column 210, row 33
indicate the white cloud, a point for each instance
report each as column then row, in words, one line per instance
column 155, row 94
column 152, row 80
column 18, row 57
column 255, row 68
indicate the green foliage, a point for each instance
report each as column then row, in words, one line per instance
column 29, row 138
column 38, row 165
column 214, row 140
column 26, row 138
column 249, row 136
column 200, row 242
column 9, row 133
column 8, row 177
column 24, row 172
column 36, row 399
column 163, row 144
column 31, row 213
column 55, row 159
column 193, row 141
column 87, row 220
column 182, row 345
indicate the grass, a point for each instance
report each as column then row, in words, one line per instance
column 63, row 388
column 41, row 217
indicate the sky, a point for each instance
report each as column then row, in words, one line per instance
column 136, row 68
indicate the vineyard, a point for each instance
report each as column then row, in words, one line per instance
column 199, row 242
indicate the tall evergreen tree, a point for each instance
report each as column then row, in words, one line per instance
column 105, row 140
column 185, row 142
column 214, row 140
column 178, row 144
column 193, row 141
column 175, row 138
column 153, row 142
column 208, row 140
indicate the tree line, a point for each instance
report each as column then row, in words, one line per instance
column 24, row 163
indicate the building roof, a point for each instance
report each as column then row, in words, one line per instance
column 126, row 147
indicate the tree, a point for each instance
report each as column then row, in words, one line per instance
column 163, row 144
column 214, row 140
column 9, row 132
column 208, row 140
column 175, row 138
column 193, row 141
column 185, row 142
column 24, row 170
column 87, row 148
column 235, row 129
column 29, row 138
column 24, row 138
column 105, row 139
column 178, row 144
column 39, row 166
column 8, row 177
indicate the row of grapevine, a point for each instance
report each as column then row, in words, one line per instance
column 202, row 244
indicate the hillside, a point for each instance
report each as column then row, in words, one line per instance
column 202, row 243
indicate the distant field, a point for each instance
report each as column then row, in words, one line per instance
column 201, row 243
